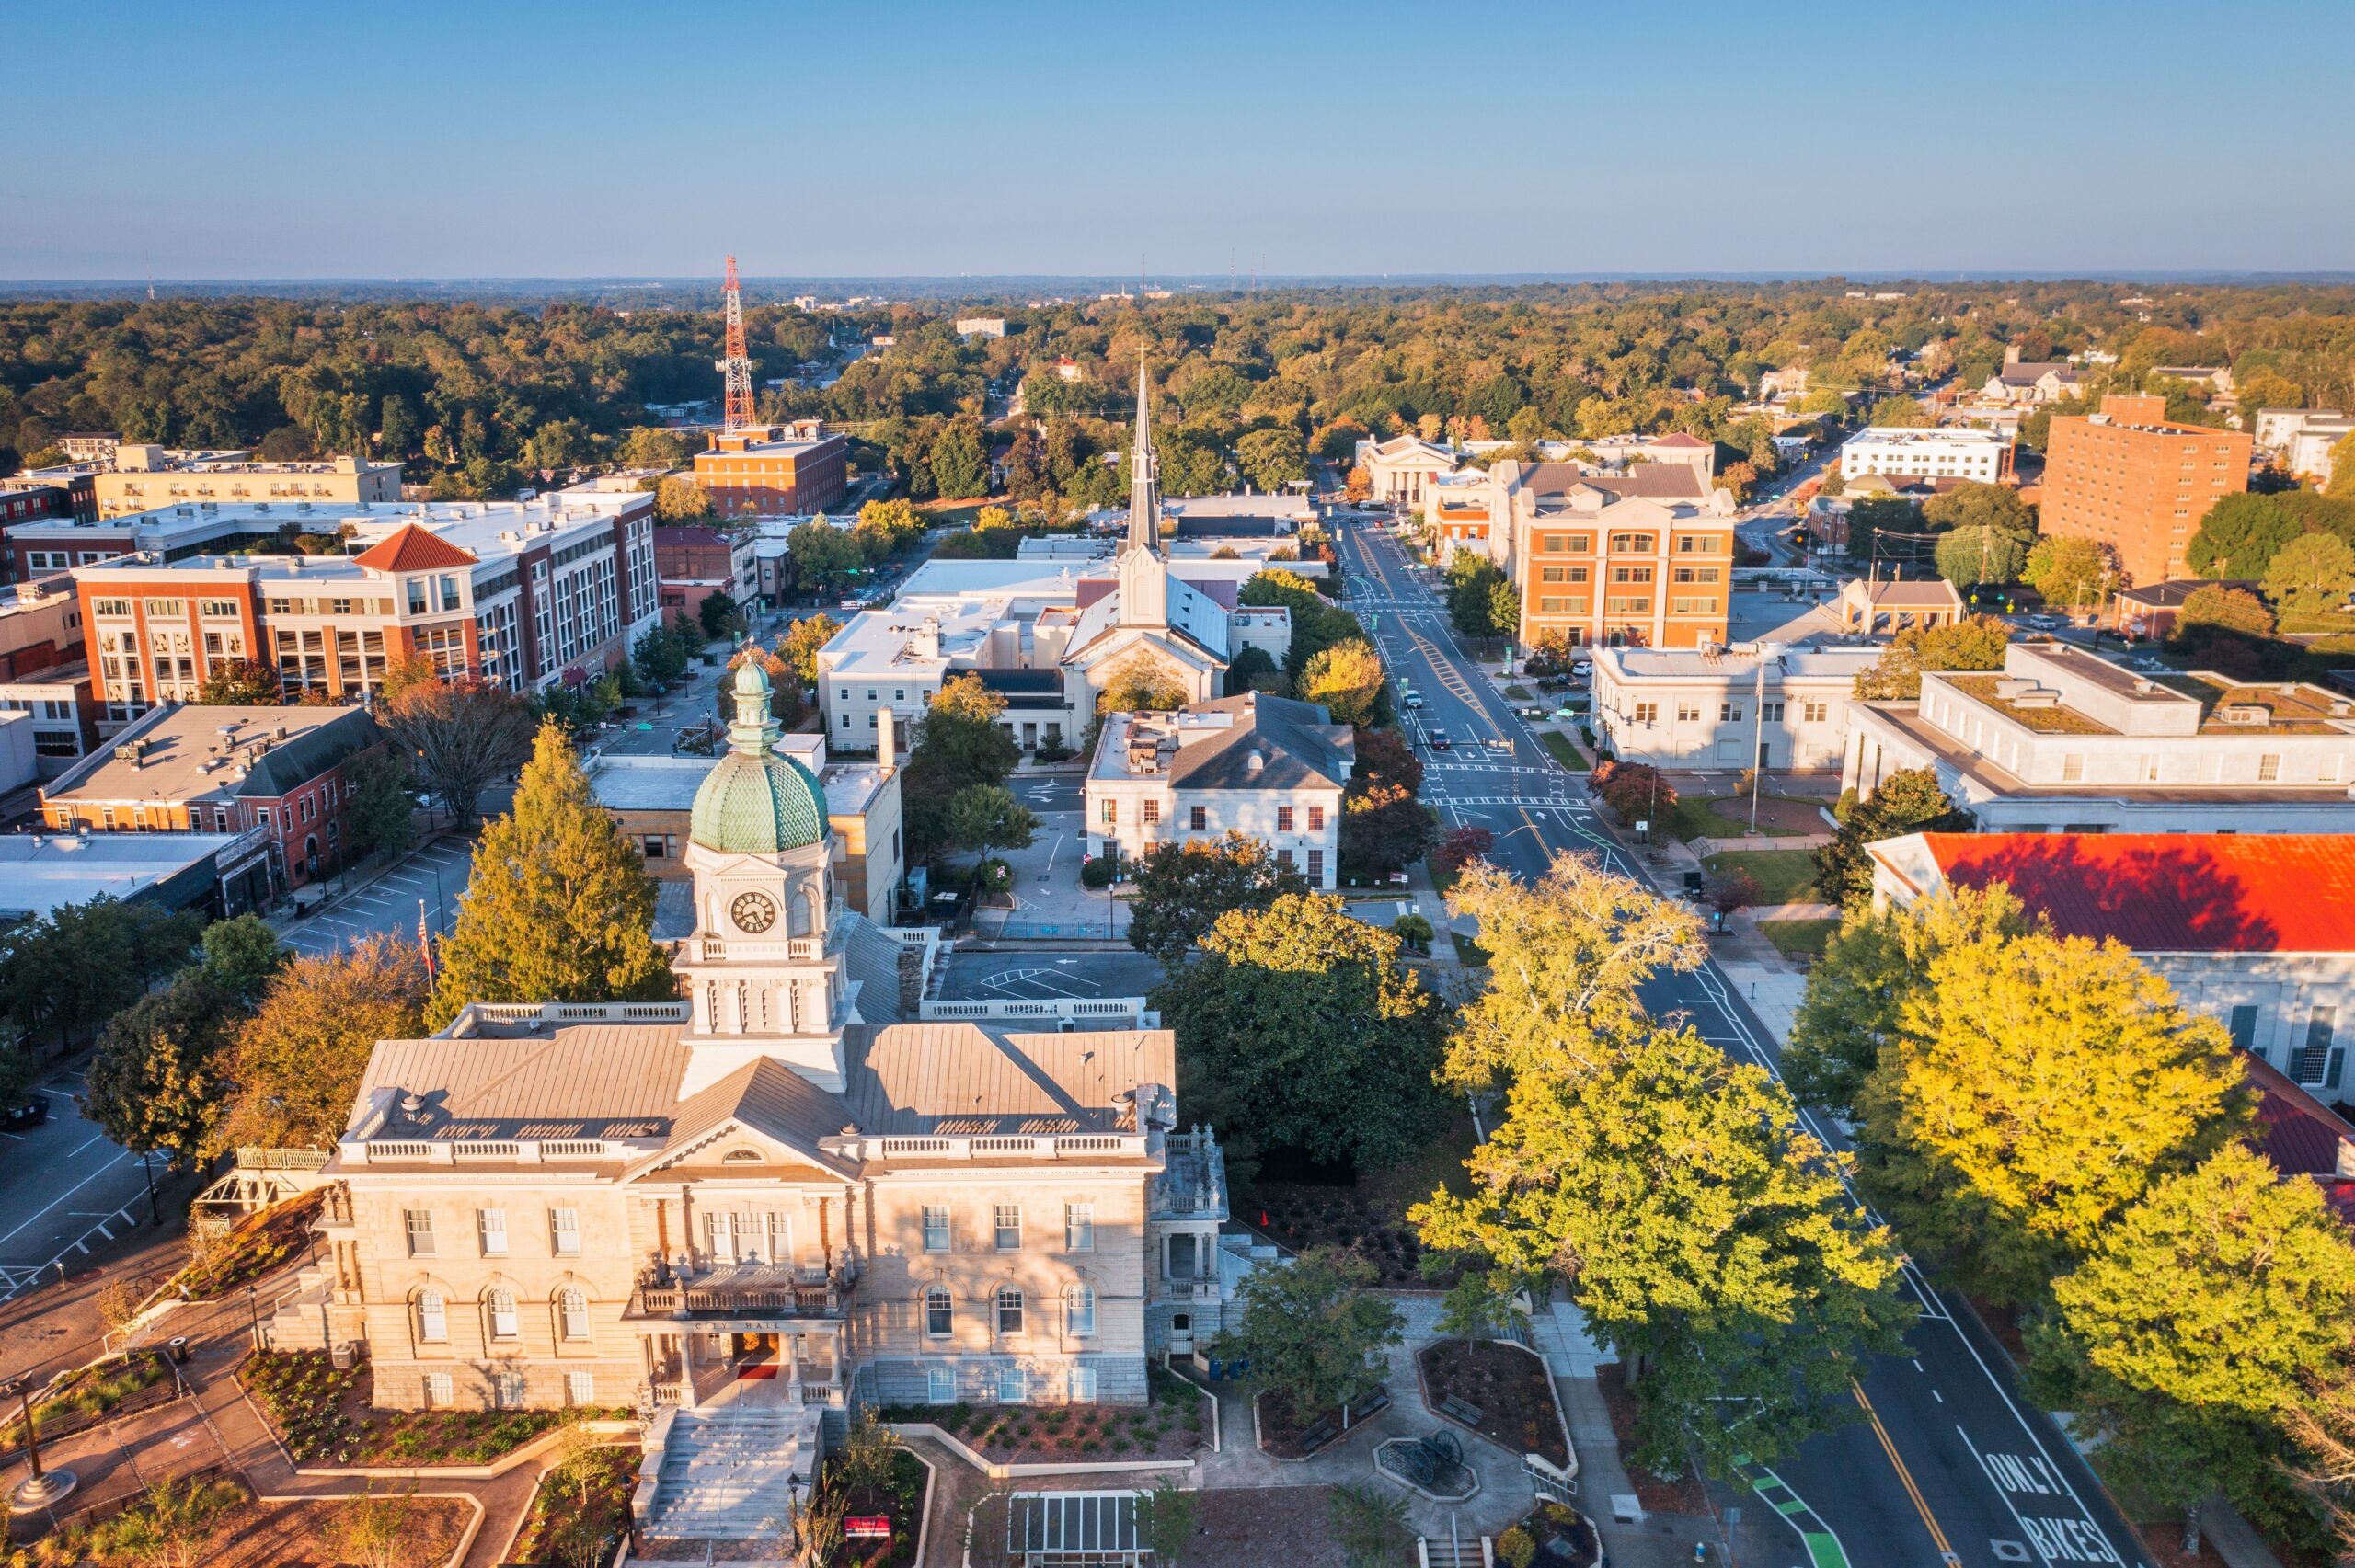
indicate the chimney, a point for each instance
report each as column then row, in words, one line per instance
column 886, row 739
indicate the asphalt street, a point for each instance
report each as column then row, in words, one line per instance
column 1952, row 1465
column 66, row 1191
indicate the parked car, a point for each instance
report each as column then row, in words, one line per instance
column 1582, row 670
column 1439, row 743
column 33, row 1113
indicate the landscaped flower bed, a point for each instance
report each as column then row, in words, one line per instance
column 1299, row 1217
column 260, row 1243
column 578, row 1513
column 1175, row 1421
column 323, row 1417
column 1510, row 1388
column 901, row 1501
column 99, row 1392
column 1288, row 1435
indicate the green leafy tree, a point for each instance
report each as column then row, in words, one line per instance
column 2310, row 574
column 1857, row 991
column 2035, row 1088
column 1705, row 1236
column 1346, row 679
column 1300, row 1028
column 1165, row 1522
column 1472, row 584
column 1504, row 609
column 1870, row 516
column 959, row 743
column 239, row 682
column 823, row 557
column 648, row 446
column 1908, row 801
column 1251, row 669
column 1637, row 790
column 379, row 805
column 1969, row 556
column 1975, row 641
column 960, row 467
column 1975, row 505
column 986, row 817
column 2342, row 470
column 2072, row 574
column 155, row 1084
column 2211, row 1305
column 662, row 653
column 2216, row 608
column 798, row 648
column 241, row 957
column 681, row 500
column 1899, row 412
column 718, row 614
column 1272, row 459
column 559, row 908
column 296, row 1064
column 1313, row 1330
column 1182, row 887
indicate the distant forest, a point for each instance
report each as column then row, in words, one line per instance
column 477, row 398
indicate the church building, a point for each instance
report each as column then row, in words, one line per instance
column 1050, row 637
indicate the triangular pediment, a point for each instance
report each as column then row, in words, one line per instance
column 719, row 1153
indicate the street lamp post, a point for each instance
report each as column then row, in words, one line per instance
column 253, row 1309
column 147, row 1169
column 41, row 1488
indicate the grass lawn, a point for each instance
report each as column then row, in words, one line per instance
column 1694, row 819
column 1468, row 951
column 1784, row 876
column 953, row 514
column 2325, row 623
column 1564, row 749
column 1794, row 938
column 1518, row 692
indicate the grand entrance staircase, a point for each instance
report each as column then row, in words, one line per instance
column 726, row 1473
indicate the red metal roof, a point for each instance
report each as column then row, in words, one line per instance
column 413, row 549
column 1681, row 439
column 2172, row 892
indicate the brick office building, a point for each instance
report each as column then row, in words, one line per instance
column 529, row 595
column 697, row 561
column 225, row 770
column 2127, row 478
column 767, row 470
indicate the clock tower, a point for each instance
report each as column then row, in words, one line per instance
column 762, row 967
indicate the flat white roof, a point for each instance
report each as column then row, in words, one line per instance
column 1929, row 435
column 40, row 871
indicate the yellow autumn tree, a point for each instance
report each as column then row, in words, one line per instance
column 559, row 907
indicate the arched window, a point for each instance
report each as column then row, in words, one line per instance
column 1009, row 1310
column 502, row 1304
column 572, row 1312
column 805, row 912
column 432, row 1322
column 1079, row 1312
column 938, row 1310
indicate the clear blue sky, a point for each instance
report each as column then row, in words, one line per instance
column 515, row 138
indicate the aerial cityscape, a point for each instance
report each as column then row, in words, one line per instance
column 1036, row 789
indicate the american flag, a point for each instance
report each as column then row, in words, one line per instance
column 425, row 939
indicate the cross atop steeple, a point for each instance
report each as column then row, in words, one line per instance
column 1144, row 475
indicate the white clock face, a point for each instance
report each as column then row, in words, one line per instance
column 752, row 912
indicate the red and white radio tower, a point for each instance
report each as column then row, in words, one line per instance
column 737, row 366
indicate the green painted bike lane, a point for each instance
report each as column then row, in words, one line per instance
column 1823, row 1548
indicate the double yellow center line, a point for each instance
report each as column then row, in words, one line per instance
column 1938, row 1536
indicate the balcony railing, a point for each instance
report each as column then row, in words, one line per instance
column 750, row 1291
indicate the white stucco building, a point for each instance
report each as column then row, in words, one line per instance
column 1727, row 708
column 1267, row 767
column 1945, row 452
column 2063, row 740
column 2258, row 932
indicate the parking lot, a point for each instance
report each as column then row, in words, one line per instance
column 1045, row 975
column 428, row 880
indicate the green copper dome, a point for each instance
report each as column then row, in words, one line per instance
column 756, row 801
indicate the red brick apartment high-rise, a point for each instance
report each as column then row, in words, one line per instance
column 2129, row 479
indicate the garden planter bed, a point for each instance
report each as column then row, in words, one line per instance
column 1658, row 1495
column 903, row 1502
column 1562, row 1538
column 560, row 1526
column 100, row 1394
column 1283, row 1435
column 1171, row 1426
column 1509, row 1386
column 323, row 1417
column 260, row 1244
column 1297, row 1217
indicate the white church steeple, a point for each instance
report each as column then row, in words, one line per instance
column 1144, row 575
